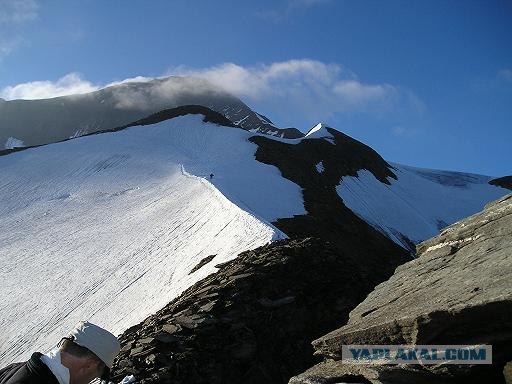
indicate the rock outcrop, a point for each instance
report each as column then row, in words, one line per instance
column 458, row 291
column 251, row 322
column 327, row 216
column 504, row 182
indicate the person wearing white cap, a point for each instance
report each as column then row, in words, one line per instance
column 87, row 353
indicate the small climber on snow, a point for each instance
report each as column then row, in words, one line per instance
column 211, row 176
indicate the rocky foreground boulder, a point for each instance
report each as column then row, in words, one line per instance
column 458, row 291
column 253, row 321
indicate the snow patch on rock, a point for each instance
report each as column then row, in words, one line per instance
column 319, row 131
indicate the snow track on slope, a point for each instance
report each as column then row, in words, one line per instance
column 107, row 227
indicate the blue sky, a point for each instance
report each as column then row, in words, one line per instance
column 425, row 83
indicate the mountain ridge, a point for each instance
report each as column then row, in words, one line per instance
column 335, row 151
column 44, row 121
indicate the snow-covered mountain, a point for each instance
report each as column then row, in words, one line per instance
column 36, row 122
column 418, row 203
column 109, row 226
column 404, row 203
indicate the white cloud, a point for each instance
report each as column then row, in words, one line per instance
column 354, row 92
column 294, row 92
column 136, row 79
column 306, row 87
column 70, row 84
column 17, row 11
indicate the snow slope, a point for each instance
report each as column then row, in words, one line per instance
column 420, row 203
column 107, row 227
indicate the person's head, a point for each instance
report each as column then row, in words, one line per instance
column 84, row 366
column 88, row 352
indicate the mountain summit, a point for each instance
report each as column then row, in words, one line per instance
column 318, row 131
column 36, row 122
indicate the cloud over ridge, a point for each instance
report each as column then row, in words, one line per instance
column 306, row 88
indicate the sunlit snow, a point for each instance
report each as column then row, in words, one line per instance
column 107, row 227
column 419, row 203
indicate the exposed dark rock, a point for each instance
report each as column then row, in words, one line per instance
column 458, row 291
column 16, row 149
column 504, row 182
column 289, row 133
column 209, row 116
column 253, row 321
column 332, row 371
column 328, row 217
column 202, row 263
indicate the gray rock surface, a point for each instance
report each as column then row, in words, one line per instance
column 458, row 291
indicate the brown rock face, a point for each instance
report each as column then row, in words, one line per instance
column 458, row 291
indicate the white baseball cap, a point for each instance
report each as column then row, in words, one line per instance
column 97, row 340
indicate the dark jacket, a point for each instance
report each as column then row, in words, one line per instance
column 33, row 371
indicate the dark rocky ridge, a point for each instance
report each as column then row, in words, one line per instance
column 208, row 116
column 253, row 320
column 504, row 182
column 458, row 291
column 202, row 263
column 328, row 217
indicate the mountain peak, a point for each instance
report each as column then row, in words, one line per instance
column 319, row 131
column 316, row 128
